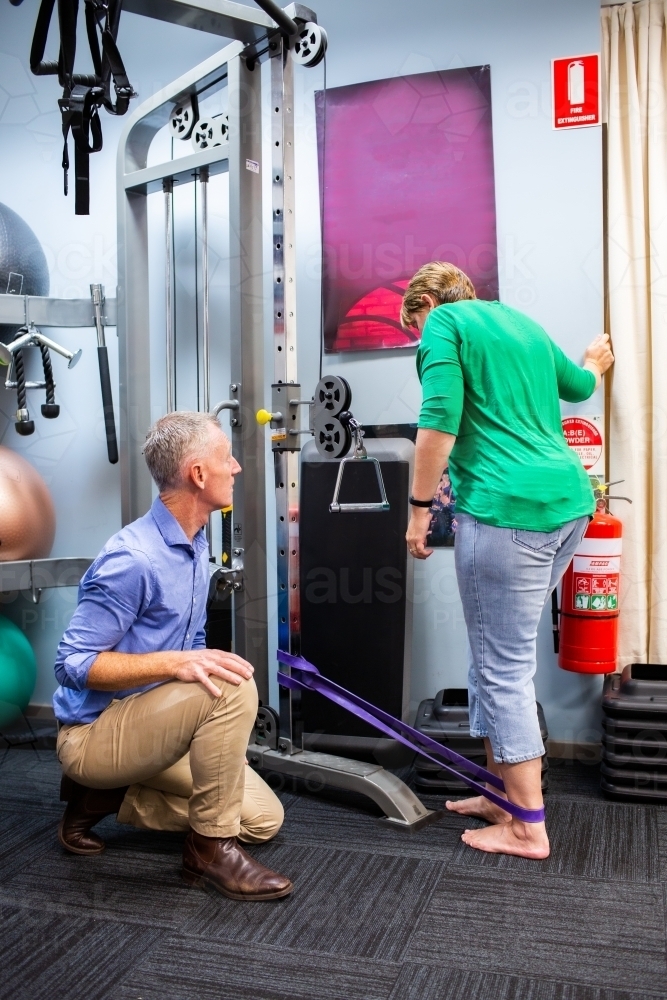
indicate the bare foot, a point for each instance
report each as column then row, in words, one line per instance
column 525, row 840
column 481, row 808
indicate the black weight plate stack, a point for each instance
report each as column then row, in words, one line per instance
column 446, row 720
column 634, row 740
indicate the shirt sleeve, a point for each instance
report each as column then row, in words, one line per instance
column 441, row 375
column 113, row 594
column 574, row 383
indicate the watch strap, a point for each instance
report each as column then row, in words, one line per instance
column 420, row 503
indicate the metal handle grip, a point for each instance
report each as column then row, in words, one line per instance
column 107, row 404
column 359, row 508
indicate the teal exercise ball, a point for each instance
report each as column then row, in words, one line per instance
column 18, row 671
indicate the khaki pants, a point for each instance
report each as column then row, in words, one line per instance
column 182, row 752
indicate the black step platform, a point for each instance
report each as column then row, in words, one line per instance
column 634, row 739
column 446, row 720
column 641, row 730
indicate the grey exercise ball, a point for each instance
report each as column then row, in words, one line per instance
column 23, row 268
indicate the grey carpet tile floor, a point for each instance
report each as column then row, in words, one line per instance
column 376, row 914
column 132, row 887
column 180, row 968
column 588, row 931
column 344, row 902
column 419, row 982
column 23, row 838
column 43, row 956
column 661, row 820
column 576, row 779
column 30, row 780
column 316, row 821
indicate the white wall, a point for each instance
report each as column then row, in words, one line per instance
column 549, row 212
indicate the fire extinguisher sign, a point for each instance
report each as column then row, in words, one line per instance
column 596, row 567
column 585, row 435
column 575, row 88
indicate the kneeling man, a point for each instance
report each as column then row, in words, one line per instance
column 154, row 726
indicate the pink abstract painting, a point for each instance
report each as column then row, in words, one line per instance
column 406, row 168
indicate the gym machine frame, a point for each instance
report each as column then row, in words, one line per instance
column 236, row 66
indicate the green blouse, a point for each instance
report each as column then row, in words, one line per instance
column 493, row 377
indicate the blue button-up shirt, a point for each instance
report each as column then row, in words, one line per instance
column 145, row 592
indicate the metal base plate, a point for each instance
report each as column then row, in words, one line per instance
column 399, row 804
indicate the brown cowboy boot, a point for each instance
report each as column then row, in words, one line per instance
column 222, row 863
column 85, row 808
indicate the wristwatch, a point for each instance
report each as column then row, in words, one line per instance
column 420, row 503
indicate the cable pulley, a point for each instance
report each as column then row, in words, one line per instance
column 332, row 438
column 332, row 396
column 209, row 132
column 183, row 118
column 309, row 46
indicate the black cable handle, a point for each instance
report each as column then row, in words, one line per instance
column 107, row 404
column 25, row 426
column 19, row 368
column 50, row 408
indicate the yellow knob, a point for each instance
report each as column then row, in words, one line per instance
column 263, row 417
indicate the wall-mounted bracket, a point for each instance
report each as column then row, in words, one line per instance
column 24, row 310
column 31, row 576
column 233, row 404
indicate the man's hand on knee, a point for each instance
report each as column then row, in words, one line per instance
column 113, row 671
column 200, row 665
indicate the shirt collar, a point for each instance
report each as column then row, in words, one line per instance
column 171, row 530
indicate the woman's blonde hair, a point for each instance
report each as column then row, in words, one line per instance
column 445, row 282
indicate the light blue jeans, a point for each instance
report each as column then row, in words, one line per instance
column 505, row 577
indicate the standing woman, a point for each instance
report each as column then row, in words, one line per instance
column 491, row 380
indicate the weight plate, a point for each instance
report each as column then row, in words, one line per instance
column 332, row 396
column 182, row 120
column 331, row 438
column 309, row 45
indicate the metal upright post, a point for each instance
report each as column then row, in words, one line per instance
column 247, row 363
column 133, row 343
column 286, row 463
column 168, row 187
column 206, row 338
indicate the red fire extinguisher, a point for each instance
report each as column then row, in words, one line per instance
column 589, row 597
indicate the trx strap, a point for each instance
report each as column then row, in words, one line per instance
column 306, row 677
column 83, row 95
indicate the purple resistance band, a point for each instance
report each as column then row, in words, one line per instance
column 311, row 679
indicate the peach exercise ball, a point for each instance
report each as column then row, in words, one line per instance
column 27, row 516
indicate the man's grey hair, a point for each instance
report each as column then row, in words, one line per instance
column 173, row 439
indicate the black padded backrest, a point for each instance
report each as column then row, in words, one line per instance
column 353, row 590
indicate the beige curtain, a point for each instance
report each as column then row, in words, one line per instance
column 634, row 85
